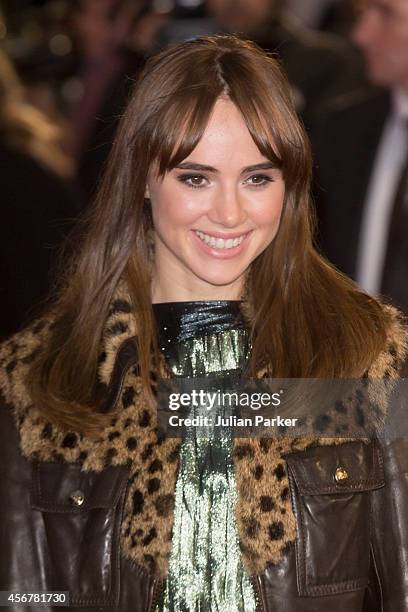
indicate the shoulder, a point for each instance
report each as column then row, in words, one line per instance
column 367, row 104
column 358, row 118
column 32, row 434
column 16, row 356
column 391, row 360
column 322, row 45
column 381, row 377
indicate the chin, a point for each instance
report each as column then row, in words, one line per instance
column 220, row 281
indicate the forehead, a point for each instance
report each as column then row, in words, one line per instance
column 225, row 122
column 226, row 137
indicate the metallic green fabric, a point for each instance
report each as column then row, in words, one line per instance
column 205, row 339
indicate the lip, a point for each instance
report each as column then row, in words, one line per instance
column 222, row 253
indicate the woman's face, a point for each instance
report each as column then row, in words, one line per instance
column 214, row 213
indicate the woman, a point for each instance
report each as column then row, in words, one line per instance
column 198, row 262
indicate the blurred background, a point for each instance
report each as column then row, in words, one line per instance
column 66, row 70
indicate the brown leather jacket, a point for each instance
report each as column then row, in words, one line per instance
column 95, row 518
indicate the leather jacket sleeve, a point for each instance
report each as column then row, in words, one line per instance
column 21, row 566
column 389, row 549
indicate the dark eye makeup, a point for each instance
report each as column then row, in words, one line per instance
column 189, row 180
column 197, row 181
column 264, row 178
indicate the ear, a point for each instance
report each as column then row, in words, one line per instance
column 147, row 193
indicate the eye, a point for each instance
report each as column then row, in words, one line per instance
column 196, row 181
column 259, row 180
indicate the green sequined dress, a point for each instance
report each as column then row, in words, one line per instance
column 206, row 573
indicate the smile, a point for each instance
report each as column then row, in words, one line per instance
column 220, row 243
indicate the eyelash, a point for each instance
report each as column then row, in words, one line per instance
column 184, row 178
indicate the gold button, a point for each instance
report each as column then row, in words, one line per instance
column 77, row 498
column 340, row 475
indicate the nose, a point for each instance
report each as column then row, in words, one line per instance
column 227, row 209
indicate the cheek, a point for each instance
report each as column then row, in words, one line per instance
column 173, row 214
column 178, row 207
column 269, row 212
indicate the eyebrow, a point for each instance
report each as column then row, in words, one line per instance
column 204, row 168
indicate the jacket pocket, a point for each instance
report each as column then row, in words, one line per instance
column 81, row 516
column 330, row 489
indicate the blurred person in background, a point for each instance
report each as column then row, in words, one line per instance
column 39, row 202
column 310, row 13
column 319, row 66
column 361, row 152
column 327, row 15
column 113, row 38
column 78, row 60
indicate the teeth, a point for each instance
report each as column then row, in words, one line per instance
column 220, row 243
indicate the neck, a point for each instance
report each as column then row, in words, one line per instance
column 167, row 289
column 172, row 282
column 160, row 296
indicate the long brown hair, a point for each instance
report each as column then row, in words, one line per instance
column 306, row 318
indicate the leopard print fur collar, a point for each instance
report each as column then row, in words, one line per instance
column 266, row 524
